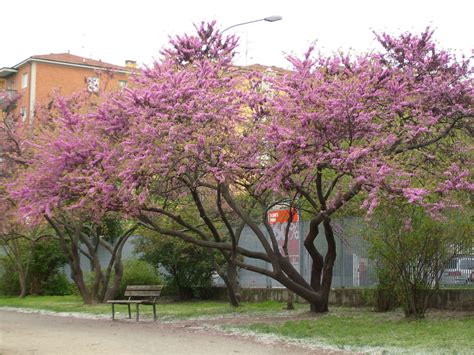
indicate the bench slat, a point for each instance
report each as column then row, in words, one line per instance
column 143, row 293
column 144, row 288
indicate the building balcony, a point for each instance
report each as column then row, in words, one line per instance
column 7, row 99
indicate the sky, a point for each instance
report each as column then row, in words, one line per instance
column 118, row 30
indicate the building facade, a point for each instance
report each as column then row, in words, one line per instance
column 38, row 78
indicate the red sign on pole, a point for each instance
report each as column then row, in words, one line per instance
column 278, row 219
column 282, row 216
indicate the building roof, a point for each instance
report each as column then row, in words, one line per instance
column 4, row 72
column 71, row 59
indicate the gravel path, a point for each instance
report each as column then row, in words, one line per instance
column 32, row 333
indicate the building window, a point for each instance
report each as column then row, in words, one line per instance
column 93, row 84
column 122, row 84
column 23, row 114
column 24, row 81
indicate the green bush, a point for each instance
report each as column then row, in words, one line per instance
column 43, row 260
column 45, row 268
column 386, row 292
column 411, row 249
column 138, row 272
column 9, row 282
column 188, row 267
column 58, row 285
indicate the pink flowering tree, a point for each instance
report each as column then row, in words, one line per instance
column 12, row 136
column 186, row 122
column 17, row 238
column 195, row 151
column 333, row 129
column 165, row 152
column 145, row 152
column 348, row 131
column 62, row 154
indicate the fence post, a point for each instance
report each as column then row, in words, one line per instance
column 301, row 239
column 342, row 264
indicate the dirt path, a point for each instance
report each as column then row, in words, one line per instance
column 30, row 333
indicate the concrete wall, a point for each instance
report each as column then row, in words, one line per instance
column 454, row 299
column 448, row 299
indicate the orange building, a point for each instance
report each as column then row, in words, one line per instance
column 38, row 78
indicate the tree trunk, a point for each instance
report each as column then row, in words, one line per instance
column 112, row 290
column 328, row 264
column 23, row 285
column 76, row 273
column 231, row 280
column 316, row 267
column 78, row 278
column 321, row 269
column 230, row 277
column 97, row 269
column 22, row 268
column 289, row 302
column 115, row 262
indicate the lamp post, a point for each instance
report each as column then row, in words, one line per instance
column 268, row 19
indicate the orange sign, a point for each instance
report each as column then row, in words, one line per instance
column 282, row 216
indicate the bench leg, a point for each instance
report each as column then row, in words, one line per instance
column 113, row 312
column 154, row 312
column 138, row 311
column 129, row 312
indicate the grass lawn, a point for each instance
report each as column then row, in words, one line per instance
column 350, row 328
column 439, row 332
column 164, row 309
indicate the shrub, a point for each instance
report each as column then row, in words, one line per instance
column 188, row 267
column 58, row 285
column 48, row 258
column 412, row 249
column 9, row 282
column 386, row 293
column 138, row 272
column 42, row 260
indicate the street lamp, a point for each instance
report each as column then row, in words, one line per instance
column 268, row 19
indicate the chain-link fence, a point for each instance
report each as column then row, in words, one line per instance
column 352, row 268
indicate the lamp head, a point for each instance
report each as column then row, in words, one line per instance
column 273, row 18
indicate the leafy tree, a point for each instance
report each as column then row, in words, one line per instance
column 351, row 130
column 413, row 249
column 46, row 262
column 188, row 267
column 35, row 262
column 195, row 134
column 83, row 238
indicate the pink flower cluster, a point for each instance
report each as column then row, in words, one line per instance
column 338, row 125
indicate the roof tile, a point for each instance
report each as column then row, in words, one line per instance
column 75, row 59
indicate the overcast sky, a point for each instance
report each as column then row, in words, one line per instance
column 116, row 30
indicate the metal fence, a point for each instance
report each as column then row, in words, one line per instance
column 352, row 268
column 459, row 272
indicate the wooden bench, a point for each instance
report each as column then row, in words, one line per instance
column 137, row 295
